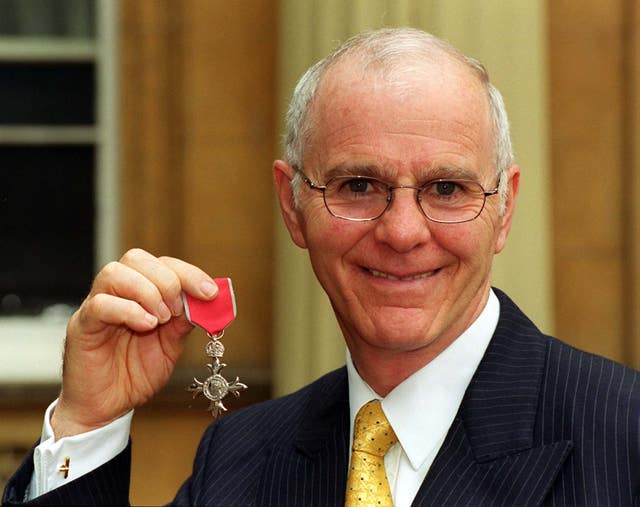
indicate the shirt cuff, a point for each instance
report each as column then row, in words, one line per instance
column 59, row 462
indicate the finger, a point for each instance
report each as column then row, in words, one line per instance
column 193, row 280
column 108, row 310
column 127, row 283
column 161, row 275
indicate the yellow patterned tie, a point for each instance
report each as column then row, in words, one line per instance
column 372, row 437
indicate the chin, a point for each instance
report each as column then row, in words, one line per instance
column 403, row 330
column 402, row 345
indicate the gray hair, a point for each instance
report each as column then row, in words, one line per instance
column 384, row 48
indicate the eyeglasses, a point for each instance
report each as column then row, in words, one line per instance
column 362, row 198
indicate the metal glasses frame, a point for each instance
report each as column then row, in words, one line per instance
column 391, row 188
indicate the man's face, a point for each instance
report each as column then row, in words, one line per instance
column 401, row 284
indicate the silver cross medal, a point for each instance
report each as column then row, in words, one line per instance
column 214, row 316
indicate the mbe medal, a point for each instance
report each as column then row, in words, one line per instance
column 214, row 316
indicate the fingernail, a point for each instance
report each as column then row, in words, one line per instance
column 164, row 314
column 208, row 289
column 151, row 319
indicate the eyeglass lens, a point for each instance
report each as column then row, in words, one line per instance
column 362, row 198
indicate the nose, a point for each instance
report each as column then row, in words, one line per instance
column 403, row 226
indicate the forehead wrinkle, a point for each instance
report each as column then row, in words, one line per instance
column 469, row 131
column 468, row 142
column 467, row 135
column 323, row 137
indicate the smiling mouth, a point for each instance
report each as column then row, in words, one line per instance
column 420, row 276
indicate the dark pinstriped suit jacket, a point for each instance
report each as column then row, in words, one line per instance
column 541, row 424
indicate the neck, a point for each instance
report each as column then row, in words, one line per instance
column 383, row 370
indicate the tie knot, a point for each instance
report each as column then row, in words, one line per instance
column 372, row 432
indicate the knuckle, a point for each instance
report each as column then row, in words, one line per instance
column 105, row 277
column 86, row 313
column 93, row 305
column 109, row 269
column 133, row 254
column 169, row 281
column 172, row 284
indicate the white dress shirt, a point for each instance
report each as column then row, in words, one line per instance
column 86, row 452
column 422, row 408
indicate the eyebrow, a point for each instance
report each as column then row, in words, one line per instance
column 355, row 170
column 447, row 172
column 423, row 175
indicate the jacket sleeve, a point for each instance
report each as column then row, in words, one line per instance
column 107, row 485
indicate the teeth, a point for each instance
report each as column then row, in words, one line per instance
column 391, row 277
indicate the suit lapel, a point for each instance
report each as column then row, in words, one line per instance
column 491, row 455
column 312, row 469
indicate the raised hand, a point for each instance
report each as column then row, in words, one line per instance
column 123, row 342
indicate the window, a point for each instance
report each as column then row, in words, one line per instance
column 58, row 192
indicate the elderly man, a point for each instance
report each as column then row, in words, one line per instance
column 399, row 181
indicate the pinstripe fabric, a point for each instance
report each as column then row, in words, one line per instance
column 108, row 485
column 289, row 452
column 541, row 424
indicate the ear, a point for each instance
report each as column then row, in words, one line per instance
column 282, row 176
column 513, row 175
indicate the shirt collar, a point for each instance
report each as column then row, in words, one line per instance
column 422, row 408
